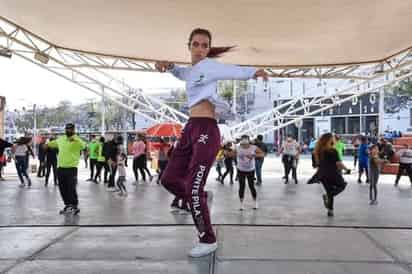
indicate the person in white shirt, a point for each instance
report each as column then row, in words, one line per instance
column 246, row 155
column 200, row 141
column 405, row 164
column 121, row 167
column 21, row 152
column 290, row 156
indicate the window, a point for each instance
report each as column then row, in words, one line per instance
column 338, row 125
column 353, row 125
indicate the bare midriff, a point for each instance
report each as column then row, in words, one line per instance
column 203, row 109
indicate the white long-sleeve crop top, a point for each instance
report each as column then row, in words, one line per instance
column 201, row 80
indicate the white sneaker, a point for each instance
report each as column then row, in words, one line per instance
column 202, row 249
column 184, row 212
column 256, row 205
column 174, row 209
column 209, row 197
column 111, row 189
column 242, row 207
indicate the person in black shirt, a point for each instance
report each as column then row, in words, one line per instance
column 111, row 158
column 329, row 170
column 229, row 160
column 41, row 155
column 51, row 163
column 259, row 159
column 107, row 152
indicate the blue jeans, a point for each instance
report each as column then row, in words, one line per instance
column 21, row 166
column 259, row 164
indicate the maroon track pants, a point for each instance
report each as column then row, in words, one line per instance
column 189, row 165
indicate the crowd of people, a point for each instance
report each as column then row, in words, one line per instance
column 241, row 161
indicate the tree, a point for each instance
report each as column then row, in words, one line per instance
column 398, row 96
column 225, row 89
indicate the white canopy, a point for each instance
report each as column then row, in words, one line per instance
column 266, row 32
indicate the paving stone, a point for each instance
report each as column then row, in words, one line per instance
column 17, row 243
column 397, row 242
column 110, row 267
column 297, row 243
column 276, row 267
column 124, row 243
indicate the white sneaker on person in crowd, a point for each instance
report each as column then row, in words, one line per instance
column 111, row 189
column 242, row 206
column 202, row 249
column 66, row 210
column 256, row 205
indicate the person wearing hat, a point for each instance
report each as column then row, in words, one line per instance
column 70, row 146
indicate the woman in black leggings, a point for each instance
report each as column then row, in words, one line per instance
column 145, row 157
column 245, row 155
column 229, row 159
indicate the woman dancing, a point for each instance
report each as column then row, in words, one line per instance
column 186, row 173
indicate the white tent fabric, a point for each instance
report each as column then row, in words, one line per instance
column 266, row 32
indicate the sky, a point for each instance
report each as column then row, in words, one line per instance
column 24, row 84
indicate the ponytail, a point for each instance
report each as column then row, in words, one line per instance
column 216, row 52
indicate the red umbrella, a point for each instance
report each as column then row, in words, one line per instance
column 165, row 129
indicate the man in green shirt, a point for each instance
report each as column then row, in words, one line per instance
column 340, row 147
column 101, row 160
column 70, row 147
column 93, row 146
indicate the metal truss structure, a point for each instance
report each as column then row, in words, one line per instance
column 74, row 66
column 365, row 71
column 294, row 110
column 92, row 72
column 90, row 60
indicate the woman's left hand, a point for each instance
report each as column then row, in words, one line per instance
column 261, row 73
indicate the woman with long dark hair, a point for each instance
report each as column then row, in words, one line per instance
column 186, row 174
column 329, row 174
